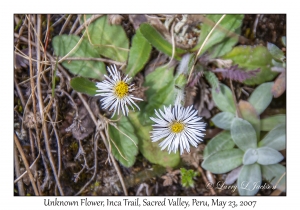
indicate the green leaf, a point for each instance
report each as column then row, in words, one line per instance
column 187, row 177
column 221, row 141
column 261, row 97
column 225, row 46
column 224, row 99
column 243, row 134
column 122, row 147
column 180, row 81
column 109, row 40
column 249, row 113
column 156, row 39
column 63, row 44
column 228, row 25
column 249, row 179
column 212, row 80
column 161, row 91
column 268, row 156
column 250, row 156
column 269, row 123
column 275, row 138
column 223, row 161
column 276, row 175
column 252, row 58
column 275, row 51
column 83, row 85
column 149, row 149
column 223, row 120
column 139, row 54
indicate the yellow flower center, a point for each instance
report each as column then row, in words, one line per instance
column 177, row 127
column 121, row 89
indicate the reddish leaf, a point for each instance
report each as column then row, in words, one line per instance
column 279, row 85
column 248, row 113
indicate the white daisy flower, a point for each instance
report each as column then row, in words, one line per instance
column 115, row 91
column 179, row 127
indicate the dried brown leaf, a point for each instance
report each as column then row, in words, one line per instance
column 170, row 177
column 83, row 124
column 137, row 20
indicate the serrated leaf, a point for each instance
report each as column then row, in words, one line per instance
column 223, row 120
column 138, row 55
column 261, row 97
column 149, row 149
column 275, row 138
column 276, row 175
column 275, row 51
column 122, row 147
column 224, row 99
column 221, row 141
column 249, row 113
column 243, row 134
column 223, row 161
column 228, row 25
column 156, row 39
column 109, row 40
column 251, row 58
column 269, row 123
column 250, row 156
column 249, row 179
column 63, row 44
column 83, row 85
column 235, row 73
column 268, row 156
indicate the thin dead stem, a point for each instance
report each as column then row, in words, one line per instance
column 42, row 114
column 95, row 59
column 65, row 25
column 82, row 26
column 72, row 50
column 58, row 145
column 18, row 173
column 75, row 24
column 105, row 142
column 173, row 44
column 115, row 165
column 58, row 21
column 196, row 165
column 26, row 164
column 95, row 167
column 19, row 92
